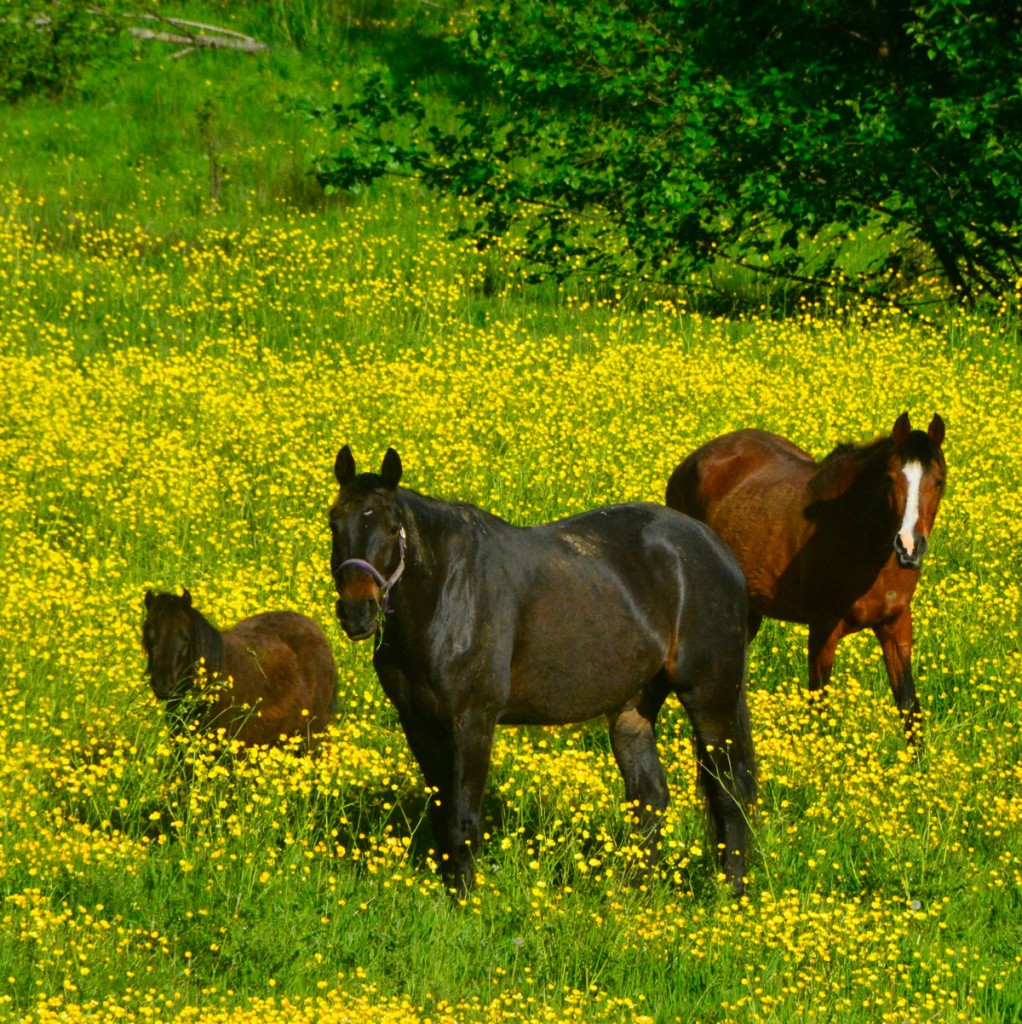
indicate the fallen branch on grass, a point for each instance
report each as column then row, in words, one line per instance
column 192, row 35
column 212, row 36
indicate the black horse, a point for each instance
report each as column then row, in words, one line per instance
column 601, row 614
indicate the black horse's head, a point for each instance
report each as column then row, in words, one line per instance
column 368, row 538
column 915, row 477
column 167, row 639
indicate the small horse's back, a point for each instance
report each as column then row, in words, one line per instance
column 292, row 629
column 288, row 663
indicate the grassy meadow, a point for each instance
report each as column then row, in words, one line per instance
column 177, row 372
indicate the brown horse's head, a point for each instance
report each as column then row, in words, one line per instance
column 915, row 478
column 367, row 556
column 167, row 639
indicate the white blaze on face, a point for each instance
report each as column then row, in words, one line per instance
column 913, row 474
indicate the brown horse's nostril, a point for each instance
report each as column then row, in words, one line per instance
column 911, row 560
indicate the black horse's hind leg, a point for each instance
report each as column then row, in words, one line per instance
column 727, row 782
column 724, row 753
column 633, row 740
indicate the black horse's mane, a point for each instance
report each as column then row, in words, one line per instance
column 442, row 512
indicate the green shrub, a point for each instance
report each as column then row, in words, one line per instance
column 45, row 46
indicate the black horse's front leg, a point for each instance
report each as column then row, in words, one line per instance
column 455, row 759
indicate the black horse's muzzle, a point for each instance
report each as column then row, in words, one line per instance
column 910, row 559
column 360, row 618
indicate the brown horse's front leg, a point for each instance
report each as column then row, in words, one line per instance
column 824, row 635
column 896, row 642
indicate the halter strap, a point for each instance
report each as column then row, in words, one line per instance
column 385, row 584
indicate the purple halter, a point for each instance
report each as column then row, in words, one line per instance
column 385, row 585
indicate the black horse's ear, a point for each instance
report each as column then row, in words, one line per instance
column 344, row 467
column 186, row 597
column 936, row 430
column 390, row 472
column 902, row 428
column 149, row 598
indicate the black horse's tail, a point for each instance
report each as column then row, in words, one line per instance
column 743, row 756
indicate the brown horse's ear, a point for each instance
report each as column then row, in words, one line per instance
column 186, row 597
column 902, row 428
column 390, row 472
column 936, row 430
column 344, row 467
column 149, row 598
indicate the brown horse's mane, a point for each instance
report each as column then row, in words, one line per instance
column 846, row 463
column 860, row 452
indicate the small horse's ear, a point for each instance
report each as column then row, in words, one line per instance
column 902, row 428
column 149, row 598
column 186, row 597
column 344, row 467
column 390, row 472
column 936, row 430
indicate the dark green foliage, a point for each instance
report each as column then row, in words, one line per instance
column 46, row 45
column 666, row 136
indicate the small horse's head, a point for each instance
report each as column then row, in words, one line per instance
column 368, row 553
column 167, row 639
column 915, row 478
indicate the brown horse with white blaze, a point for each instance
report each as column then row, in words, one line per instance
column 270, row 677
column 836, row 545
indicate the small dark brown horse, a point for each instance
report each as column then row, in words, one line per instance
column 836, row 545
column 270, row 677
column 487, row 623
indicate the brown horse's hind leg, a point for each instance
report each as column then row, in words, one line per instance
column 633, row 740
column 896, row 642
